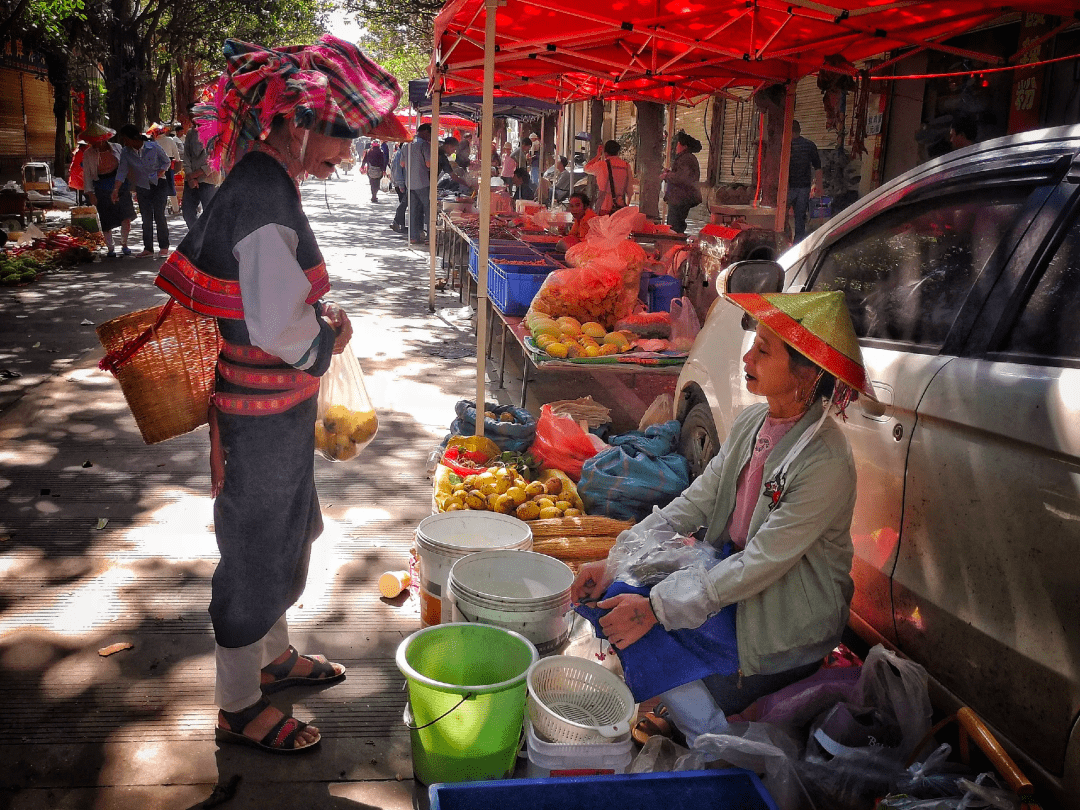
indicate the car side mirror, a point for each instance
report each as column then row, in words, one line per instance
column 753, row 276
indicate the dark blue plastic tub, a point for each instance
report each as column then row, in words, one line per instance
column 730, row 789
column 662, row 291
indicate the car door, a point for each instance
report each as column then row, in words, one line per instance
column 985, row 583
column 907, row 273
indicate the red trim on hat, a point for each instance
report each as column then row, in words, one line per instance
column 806, row 342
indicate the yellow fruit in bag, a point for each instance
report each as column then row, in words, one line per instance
column 343, row 448
column 362, row 425
column 336, row 418
column 324, row 439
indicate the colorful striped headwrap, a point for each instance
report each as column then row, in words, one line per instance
column 331, row 87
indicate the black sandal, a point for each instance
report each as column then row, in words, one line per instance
column 278, row 740
column 653, row 724
column 323, row 673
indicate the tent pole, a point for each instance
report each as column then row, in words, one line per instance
column 488, row 106
column 555, row 154
column 573, row 151
column 433, row 196
column 669, row 158
column 785, row 159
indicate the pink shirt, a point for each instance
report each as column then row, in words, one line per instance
column 748, row 488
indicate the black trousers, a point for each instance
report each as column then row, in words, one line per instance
column 152, row 202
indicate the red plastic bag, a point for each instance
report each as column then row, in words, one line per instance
column 561, row 444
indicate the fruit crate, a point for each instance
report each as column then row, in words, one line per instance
column 497, row 249
column 728, row 789
column 511, row 287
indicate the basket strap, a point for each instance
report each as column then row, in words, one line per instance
column 114, row 360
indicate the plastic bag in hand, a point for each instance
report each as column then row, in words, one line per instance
column 644, row 557
column 347, row 422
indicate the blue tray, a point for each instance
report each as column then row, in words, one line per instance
column 729, row 789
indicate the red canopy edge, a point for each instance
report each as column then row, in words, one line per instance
column 683, row 50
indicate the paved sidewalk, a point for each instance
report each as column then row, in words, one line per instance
column 104, row 539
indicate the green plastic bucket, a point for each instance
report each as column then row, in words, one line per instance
column 466, row 700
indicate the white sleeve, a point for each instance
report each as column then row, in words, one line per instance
column 274, row 290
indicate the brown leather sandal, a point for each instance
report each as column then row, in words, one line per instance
column 280, row 739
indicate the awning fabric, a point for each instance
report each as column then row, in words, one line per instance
column 468, row 106
column 680, row 50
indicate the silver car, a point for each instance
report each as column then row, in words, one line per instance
column 963, row 281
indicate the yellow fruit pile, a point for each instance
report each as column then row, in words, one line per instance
column 341, row 433
column 566, row 337
column 505, row 490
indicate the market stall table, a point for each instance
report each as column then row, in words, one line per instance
column 626, row 363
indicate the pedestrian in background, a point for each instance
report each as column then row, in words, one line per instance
column 614, row 178
column 373, row 164
column 99, row 164
column 417, row 173
column 682, row 181
column 399, row 183
column 804, row 178
column 145, row 165
column 201, row 181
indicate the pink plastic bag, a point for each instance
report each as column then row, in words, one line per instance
column 561, row 444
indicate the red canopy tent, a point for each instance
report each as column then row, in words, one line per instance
column 682, row 51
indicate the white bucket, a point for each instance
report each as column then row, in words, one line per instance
column 441, row 540
column 522, row 591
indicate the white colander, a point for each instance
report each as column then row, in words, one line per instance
column 573, row 700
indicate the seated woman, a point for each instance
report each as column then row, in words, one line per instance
column 578, row 204
column 777, row 502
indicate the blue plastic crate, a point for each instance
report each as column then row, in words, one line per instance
column 497, row 248
column 511, row 287
column 729, row 789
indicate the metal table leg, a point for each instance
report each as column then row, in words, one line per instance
column 502, row 351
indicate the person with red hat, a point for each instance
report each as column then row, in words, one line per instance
column 253, row 263
column 99, row 164
column 776, row 504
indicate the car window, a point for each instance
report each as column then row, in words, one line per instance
column 907, row 271
column 1047, row 325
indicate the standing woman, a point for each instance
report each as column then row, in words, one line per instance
column 682, row 181
column 99, row 165
column 256, row 267
column 374, row 165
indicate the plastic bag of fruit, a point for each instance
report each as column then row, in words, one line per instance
column 590, row 293
column 346, row 423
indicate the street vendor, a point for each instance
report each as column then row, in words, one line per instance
column 256, row 266
column 776, row 506
column 578, row 204
column 100, row 162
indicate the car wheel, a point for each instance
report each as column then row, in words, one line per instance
column 698, row 441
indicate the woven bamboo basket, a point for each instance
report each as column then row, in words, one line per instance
column 169, row 378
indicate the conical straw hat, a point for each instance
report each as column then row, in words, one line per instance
column 815, row 324
column 95, row 133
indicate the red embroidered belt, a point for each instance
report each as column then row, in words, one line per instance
column 285, row 387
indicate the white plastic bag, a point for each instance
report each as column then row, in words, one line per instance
column 684, row 324
column 644, row 557
column 347, row 421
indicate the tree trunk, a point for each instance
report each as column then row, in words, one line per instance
column 57, row 66
column 650, row 127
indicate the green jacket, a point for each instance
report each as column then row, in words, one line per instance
column 792, row 582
